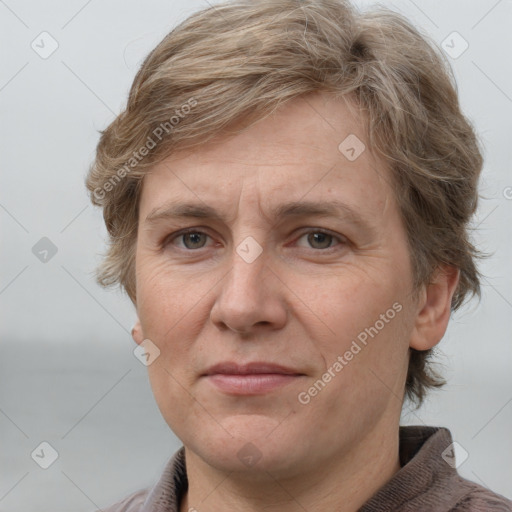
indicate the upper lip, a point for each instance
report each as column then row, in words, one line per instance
column 232, row 368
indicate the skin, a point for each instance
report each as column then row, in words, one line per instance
column 300, row 303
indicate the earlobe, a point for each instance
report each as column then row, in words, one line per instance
column 137, row 334
column 434, row 308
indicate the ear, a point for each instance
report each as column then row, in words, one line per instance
column 137, row 334
column 434, row 308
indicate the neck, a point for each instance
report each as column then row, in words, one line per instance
column 343, row 482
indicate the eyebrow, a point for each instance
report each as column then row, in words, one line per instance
column 288, row 210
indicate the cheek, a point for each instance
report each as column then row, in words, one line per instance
column 359, row 380
column 351, row 301
column 170, row 388
column 367, row 346
column 164, row 298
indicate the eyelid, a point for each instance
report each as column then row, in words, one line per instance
column 303, row 231
column 315, row 229
column 177, row 234
column 341, row 239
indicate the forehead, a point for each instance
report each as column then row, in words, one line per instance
column 311, row 148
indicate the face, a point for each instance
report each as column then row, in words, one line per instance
column 282, row 245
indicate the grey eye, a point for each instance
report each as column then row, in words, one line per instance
column 319, row 240
column 194, row 240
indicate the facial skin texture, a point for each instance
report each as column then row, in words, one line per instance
column 299, row 304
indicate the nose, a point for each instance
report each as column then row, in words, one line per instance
column 251, row 298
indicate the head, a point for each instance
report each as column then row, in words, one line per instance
column 247, row 107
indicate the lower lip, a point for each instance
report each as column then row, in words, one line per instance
column 251, row 384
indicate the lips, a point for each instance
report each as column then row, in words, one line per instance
column 253, row 378
column 231, row 368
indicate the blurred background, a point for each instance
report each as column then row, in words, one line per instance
column 68, row 375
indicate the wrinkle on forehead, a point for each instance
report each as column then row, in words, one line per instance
column 277, row 160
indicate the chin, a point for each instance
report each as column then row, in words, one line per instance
column 249, row 444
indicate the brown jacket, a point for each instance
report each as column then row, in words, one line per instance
column 427, row 482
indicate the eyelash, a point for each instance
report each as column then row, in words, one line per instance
column 174, row 236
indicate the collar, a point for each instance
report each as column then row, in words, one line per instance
column 427, row 474
column 423, row 471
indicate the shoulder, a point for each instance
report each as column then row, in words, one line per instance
column 429, row 480
column 132, row 503
column 165, row 493
column 479, row 499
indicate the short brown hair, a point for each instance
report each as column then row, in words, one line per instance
column 241, row 60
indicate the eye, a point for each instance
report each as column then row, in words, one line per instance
column 191, row 239
column 319, row 239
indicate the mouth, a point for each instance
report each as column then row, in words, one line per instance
column 250, row 379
